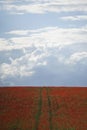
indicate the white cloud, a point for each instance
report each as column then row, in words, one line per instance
column 13, row 70
column 18, row 32
column 49, row 1
column 51, row 48
column 23, row 66
column 25, row 8
column 7, row 69
column 42, row 6
column 74, row 18
column 44, row 38
column 77, row 57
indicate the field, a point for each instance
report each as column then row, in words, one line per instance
column 43, row 108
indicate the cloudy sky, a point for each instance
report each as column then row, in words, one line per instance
column 43, row 42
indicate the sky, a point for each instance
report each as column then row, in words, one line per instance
column 43, row 42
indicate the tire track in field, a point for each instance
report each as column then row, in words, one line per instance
column 39, row 110
column 50, row 110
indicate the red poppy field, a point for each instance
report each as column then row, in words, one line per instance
column 43, row 108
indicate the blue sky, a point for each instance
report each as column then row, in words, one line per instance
column 43, row 42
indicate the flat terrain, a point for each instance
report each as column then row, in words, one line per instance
column 43, row 108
